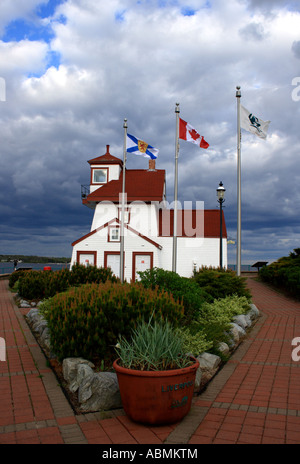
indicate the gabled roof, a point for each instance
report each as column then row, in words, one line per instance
column 117, row 221
column 107, row 158
column 140, row 185
column 192, row 223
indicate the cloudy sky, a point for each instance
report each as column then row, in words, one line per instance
column 72, row 70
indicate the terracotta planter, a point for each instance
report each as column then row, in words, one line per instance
column 156, row 397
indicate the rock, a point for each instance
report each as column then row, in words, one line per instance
column 70, row 371
column 224, row 348
column 242, row 321
column 25, row 305
column 198, row 380
column 237, row 331
column 254, row 312
column 234, row 334
column 45, row 338
column 209, row 361
column 99, row 391
column 32, row 315
column 39, row 325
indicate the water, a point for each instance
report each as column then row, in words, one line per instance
column 8, row 268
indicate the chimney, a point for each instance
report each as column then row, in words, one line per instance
column 107, row 149
column 151, row 165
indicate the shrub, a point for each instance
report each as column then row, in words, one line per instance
column 215, row 318
column 182, row 289
column 219, row 283
column 45, row 284
column 87, row 321
column 284, row 273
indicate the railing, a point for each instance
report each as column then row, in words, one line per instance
column 85, row 191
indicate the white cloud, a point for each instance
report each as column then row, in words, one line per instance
column 136, row 60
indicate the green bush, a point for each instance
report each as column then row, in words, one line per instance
column 182, row 288
column 284, row 273
column 45, row 284
column 219, row 283
column 87, row 321
column 215, row 318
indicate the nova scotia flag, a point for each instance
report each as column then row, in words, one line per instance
column 138, row 147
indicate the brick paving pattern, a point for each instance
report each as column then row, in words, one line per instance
column 254, row 399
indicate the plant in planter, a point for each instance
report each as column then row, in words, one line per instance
column 156, row 378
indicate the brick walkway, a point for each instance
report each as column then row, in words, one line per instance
column 253, row 399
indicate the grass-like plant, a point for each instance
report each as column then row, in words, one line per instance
column 153, row 346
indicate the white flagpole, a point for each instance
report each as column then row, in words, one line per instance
column 174, row 262
column 123, row 205
column 239, row 202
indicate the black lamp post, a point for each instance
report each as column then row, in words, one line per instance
column 221, row 198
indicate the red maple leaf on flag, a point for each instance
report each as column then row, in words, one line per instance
column 194, row 134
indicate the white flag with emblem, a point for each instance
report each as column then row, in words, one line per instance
column 253, row 124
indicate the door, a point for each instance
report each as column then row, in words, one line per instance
column 113, row 261
column 141, row 262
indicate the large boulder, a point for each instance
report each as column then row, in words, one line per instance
column 99, row 391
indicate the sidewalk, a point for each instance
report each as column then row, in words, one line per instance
column 253, row 399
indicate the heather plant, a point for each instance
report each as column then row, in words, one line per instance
column 45, row 284
column 87, row 321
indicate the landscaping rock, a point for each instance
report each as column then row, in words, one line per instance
column 242, row 321
column 224, row 348
column 237, row 331
column 198, row 380
column 70, row 370
column 254, row 312
column 24, row 304
column 209, row 361
column 32, row 315
column 99, row 391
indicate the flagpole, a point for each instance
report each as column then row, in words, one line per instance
column 239, row 203
column 123, row 206
column 174, row 262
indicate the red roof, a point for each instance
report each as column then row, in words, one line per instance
column 192, row 223
column 140, row 185
column 107, row 158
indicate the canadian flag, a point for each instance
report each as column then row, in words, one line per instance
column 188, row 133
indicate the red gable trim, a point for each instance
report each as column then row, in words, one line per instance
column 144, row 237
column 207, row 222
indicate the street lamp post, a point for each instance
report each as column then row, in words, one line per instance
column 221, row 198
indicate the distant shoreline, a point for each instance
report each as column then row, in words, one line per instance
column 34, row 259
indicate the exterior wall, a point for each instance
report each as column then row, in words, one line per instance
column 133, row 244
column 191, row 252
column 113, row 174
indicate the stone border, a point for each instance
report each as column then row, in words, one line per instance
column 98, row 391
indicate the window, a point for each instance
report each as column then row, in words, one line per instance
column 114, row 234
column 99, row 176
